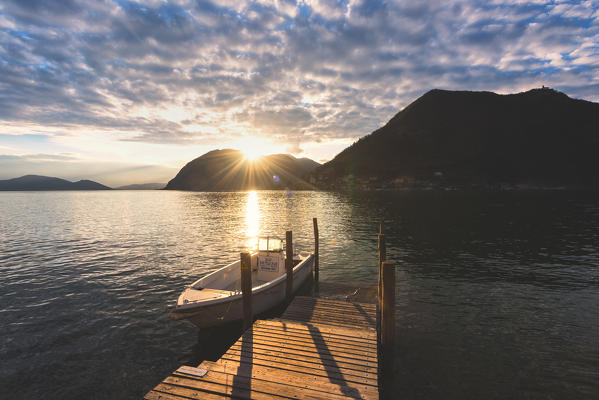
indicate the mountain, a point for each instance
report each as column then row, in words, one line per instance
column 539, row 137
column 38, row 182
column 229, row 170
column 307, row 164
column 142, row 186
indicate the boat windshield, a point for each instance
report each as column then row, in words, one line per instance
column 270, row 244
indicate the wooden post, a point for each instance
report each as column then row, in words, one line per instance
column 246, row 289
column 388, row 328
column 289, row 265
column 381, row 257
column 315, row 221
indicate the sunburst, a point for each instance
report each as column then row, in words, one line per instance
column 252, row 153
column 254, row 147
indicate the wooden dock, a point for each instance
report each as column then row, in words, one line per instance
column 318, row 349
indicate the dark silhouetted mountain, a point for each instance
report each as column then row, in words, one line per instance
column 142, row 186
column 37, row 182
column 307, row 164
column 229, row 170
column 539, row 137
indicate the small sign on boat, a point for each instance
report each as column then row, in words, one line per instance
column 268, row 263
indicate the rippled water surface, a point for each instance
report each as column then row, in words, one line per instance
column 498, row 294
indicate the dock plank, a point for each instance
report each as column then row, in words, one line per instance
column 347, row 347
column 330, row 312
column 341, row 366
column 366, row 335
column 291, row 378
column 321, row 357
column 318, row 349
column 304, row 367
column 259, row 341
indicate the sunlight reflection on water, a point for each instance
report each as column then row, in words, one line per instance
column 252, row 219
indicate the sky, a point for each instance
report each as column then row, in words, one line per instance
column 128, row 92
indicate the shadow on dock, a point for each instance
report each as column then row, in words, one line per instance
column 317, row 349
column 212, row 343
column 328, row 361
column 242, row 382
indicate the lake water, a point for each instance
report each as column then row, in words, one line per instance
column 497, row 293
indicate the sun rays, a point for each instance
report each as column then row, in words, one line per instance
column 230, row 170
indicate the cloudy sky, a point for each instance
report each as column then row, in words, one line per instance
column 123, row 91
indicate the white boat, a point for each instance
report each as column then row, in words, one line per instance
column 216, row 298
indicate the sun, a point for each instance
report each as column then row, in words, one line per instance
column 252, row 154
column 253, row 148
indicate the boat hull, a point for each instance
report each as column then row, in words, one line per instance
column 230, row 310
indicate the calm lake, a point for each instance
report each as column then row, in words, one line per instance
column 497, row 293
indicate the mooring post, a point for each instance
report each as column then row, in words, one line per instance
column 388, row 329
column 315, row 220
column 246, row 288
column 289, row 265
column 382, row 256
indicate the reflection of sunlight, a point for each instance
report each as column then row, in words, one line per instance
column 252, row 219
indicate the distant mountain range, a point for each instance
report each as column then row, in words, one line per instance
column 229, row 170
column 539, row 137
column 38, row 182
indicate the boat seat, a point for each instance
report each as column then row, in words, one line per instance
column 205, row 294
column 217, row 291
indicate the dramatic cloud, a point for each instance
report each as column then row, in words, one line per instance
column 299, row 74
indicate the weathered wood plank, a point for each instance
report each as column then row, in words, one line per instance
column 305, row 333
column 349, row 311
column 154, row 395
column 246, row 385
column 334, row 314
column 311, row 301
column 352, row 310
column 327, row 321
column 292, row 352
column 331, row 319
column 320, row 346
column 320, row 300
column 367, row 334
column 319, row 336
column 319, row 349
column 174, row 392
column 348, row 346
column 309, row 361
column 363, row 367
column 215, row 384
column 340, row 374
column 292, row 378
column 315, row 364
